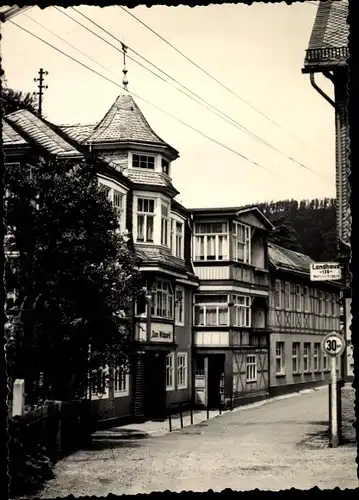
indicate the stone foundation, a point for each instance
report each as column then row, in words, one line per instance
column 348, row 433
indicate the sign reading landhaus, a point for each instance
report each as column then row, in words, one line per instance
column 322, row 271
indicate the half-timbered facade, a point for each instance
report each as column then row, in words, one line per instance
column 230, row 330
column 301, row 312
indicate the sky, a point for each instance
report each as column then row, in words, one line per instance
column 257, row 51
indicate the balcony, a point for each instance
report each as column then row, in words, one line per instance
column 211, row 339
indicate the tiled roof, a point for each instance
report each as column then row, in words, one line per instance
column 10, row 137
column 143, row 177
column 125, row 122
column 79, row 132
column 39, row 132
column 152, row 255
column 288, row 259
column 328, row 44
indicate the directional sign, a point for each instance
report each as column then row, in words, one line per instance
column 333, row 344
column 325, row 271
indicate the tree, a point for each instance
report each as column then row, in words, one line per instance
column 13, row 100
column 283, row 234
column 74, row 274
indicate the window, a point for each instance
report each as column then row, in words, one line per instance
column 333, row 304
column 117, row 200
column 298, row 298
column 165, row 166
column 287, row 296
column 295, row 357
column 145, row 219
column 279, row 358
column 327, row 304
column 211, row 310
column 325, row 362
column 179, row 239
column 321, row 303
column 182, row 370
column 164, row 223
column 99, row 383
column 277, row 294
column 211, row 241
column 306, row 357
column 316, row 357
column 251, row 368
column 120, row 382
column 179, row 306
column 169, row 372
column 242, row 310
column 143, row 161
column 242, row 243
column 306, row 299
column 162, row 300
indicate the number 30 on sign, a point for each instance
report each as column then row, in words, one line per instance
column 333, row 344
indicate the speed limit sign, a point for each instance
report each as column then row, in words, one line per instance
column 333, row 344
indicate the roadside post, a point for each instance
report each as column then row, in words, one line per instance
column 333, row 345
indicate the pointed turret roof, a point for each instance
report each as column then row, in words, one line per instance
column 124, row 122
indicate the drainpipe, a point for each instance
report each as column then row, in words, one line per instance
column 339, row 151
column 339, row 194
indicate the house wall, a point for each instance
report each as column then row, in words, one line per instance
column 294, row 323
column 183, row 339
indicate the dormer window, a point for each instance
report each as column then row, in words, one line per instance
column 165, row 166
column 143, row 161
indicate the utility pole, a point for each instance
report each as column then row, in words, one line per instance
column 41, row 87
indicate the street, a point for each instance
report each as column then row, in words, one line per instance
column 278, row 445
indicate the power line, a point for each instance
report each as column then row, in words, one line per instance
column 68, row 43
column 144, row 100
column 222, row 115
column 209, row 74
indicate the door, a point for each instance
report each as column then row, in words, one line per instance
column 215, row 380
column 155, row 386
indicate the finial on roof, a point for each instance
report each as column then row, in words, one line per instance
column 124, row 71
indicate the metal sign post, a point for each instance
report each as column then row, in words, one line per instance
column 333, row 345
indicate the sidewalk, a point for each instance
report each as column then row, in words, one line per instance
column 154, row 428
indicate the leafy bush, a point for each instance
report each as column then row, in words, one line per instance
column 29, row 464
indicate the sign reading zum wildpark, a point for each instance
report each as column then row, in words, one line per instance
column 325, row 271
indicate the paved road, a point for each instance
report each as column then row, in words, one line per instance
column 279, row 445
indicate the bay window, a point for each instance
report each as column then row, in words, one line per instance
column 242, row 310
column 242, row 243
column 162, row 300
column 211, row 241
column 145, row 219
column 164, row 223
column 211, row 310
column 143, row 161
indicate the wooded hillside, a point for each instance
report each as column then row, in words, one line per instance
column 307, row 226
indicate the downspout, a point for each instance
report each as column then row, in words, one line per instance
column 339, row 151
column 339, row 194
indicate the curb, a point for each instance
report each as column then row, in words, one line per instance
column 125, row 435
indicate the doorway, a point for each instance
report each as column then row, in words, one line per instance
column 215, row 380
column 155, row 386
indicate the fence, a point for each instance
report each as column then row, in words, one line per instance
column 181, row 409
